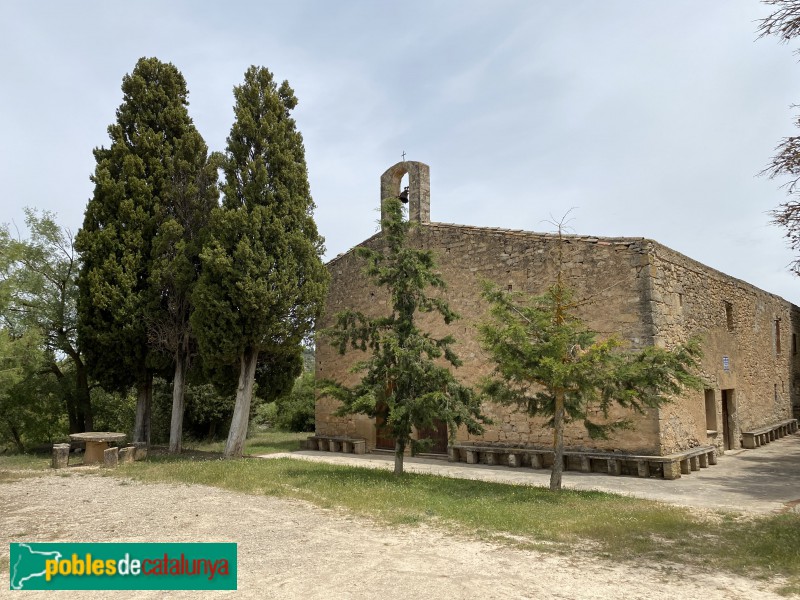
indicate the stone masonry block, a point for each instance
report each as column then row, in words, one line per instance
column 127, row 454
column 111, row 457
column 60, row 458
column 672, row 470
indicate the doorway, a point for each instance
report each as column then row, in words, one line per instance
column 383, row 437
column 437, row 434
column 728, row 420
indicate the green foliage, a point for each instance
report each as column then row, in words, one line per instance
column 295, row 410
column 39, row 290
column 30, row 403
column 550, row 364
column 263, row 283
column 404, row 372
column 265, row 415
column 114, row 411
column 138, row 183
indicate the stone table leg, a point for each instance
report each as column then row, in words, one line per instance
column 94, row 452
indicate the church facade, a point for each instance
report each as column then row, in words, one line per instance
column 637, row 289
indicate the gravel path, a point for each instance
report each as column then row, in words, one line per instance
column 290, row 549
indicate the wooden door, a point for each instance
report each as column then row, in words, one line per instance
column 727, row 422
column 383, row 439
column 438, row 435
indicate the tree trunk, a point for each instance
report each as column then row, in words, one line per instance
column 83, row 397
column 17, row 437
column 558, row 443
column 178, row 402
column 70, row 404
column 144, row 396
column 241, row 411
column 399, row 453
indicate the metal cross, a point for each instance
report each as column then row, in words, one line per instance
column 404, row 156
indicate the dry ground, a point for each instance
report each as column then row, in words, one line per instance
column 290, row 549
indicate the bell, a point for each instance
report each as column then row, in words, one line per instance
column 404, row 196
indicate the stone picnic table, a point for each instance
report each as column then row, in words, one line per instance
column 96, row 444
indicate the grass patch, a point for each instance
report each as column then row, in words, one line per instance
column 616, row 527
column 38, row 462
column 267, row 442
column 14, row 467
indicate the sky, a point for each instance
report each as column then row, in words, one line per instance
column 649, row 119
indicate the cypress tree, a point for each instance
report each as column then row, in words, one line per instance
column 135, row 188
column 262, row 284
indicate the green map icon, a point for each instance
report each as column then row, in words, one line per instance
column 27, row 565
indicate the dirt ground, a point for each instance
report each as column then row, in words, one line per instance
column 291, row 549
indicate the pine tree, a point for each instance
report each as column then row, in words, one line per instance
column 263, row 283
column 136, row 182
column 403, row 374
column 550, row 364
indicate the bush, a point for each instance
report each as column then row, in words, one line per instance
column 295, row 410
column 266, row 415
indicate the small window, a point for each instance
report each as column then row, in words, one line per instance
column 729, row 315
column 711, row 411
column 510, row 287
column 680, row 299
column 794, row 344
column 777, row 336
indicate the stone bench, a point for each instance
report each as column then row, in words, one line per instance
column 337, row 443
column 764, row 435
column 496, row 455
column 669, row 467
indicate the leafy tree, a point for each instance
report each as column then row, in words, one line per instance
column 550, row 364
column 154, row 168
column 404, row 372
column 295, row 410
column 39, row 283
column 784, row 22
column 21, row 357
column 263, row 283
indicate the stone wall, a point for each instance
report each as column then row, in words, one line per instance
column 738, row 324
column 612, row 274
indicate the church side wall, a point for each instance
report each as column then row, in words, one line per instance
column 611, row 273
column 749, row 339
